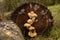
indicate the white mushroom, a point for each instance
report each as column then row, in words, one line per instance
column 32, row 34
column 33, row 18
column 27, row 25
column 31, row 28
column 32, row 14
column 30, row 21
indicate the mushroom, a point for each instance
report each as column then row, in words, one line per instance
column 32, row 14
column 30, row 21
column 32, row 34
column 31, row 28
column 27, row 25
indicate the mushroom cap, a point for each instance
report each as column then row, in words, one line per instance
column 32, row 34
column 32, row 14
column 27, row 25
column 30, row 21
column 31, row 28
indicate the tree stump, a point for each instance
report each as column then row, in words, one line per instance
column 42, row 23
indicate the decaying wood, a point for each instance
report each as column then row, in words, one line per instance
column 44, row 17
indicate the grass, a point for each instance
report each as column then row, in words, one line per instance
column 55, row 33
column 55, row 11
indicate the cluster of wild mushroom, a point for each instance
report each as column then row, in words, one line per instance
column 32, row 31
